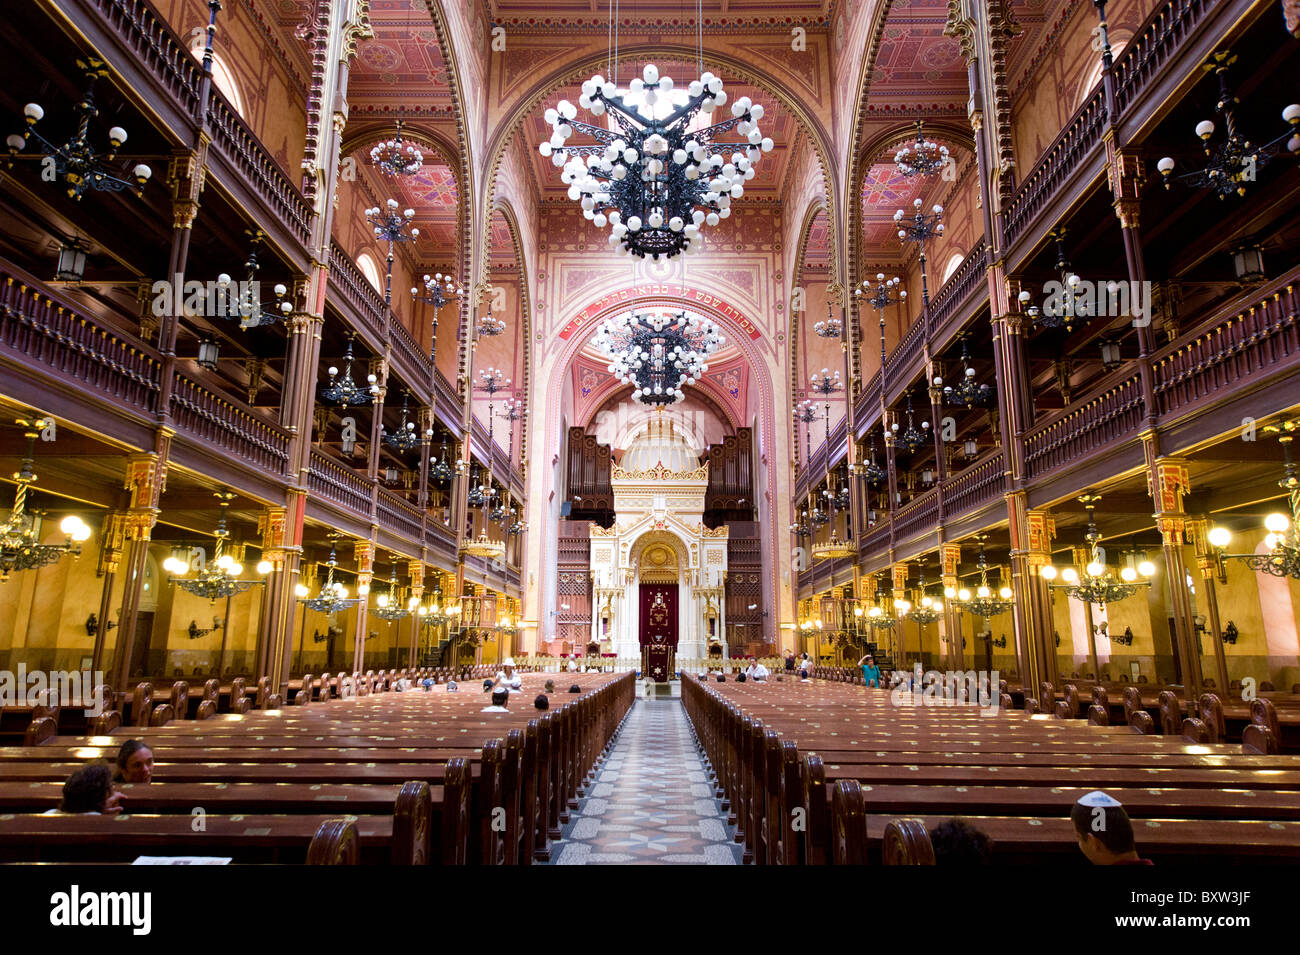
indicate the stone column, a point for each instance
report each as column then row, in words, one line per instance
column 900, row 572
column 1031, row 535
column 415, row 570
column 112, row 541
column 1167, row 482
column 146, row 477
column 950, row 558
column 364, row 554
column 1211, row 567
column 280, row 600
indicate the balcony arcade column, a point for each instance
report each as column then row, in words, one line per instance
column 1210, row 565
column 415, row 570
column 1168, row 481
column 112, row 541
column 280, row 599
column 950, row 558
column 900, row 572
column 1031, row 535
column 936, row 426
column 146, row 477
column 378, row 368
column 364, row 554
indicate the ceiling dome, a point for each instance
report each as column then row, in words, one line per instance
column 660, row 443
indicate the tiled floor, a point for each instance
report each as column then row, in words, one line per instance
column 651, row 803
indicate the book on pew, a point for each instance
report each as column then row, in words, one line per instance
column 182, row 860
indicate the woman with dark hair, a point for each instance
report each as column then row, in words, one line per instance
column 89, row 791
column 134, row 763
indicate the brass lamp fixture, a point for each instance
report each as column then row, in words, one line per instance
column 219, row 577
column 1097, row 585
column 984, row 602
column 20, row 535
column 1282, row 559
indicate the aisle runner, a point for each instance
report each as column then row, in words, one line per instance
column 651, row 802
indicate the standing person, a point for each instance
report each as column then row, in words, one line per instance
column 870, row 672
column 805, row 667
column 507, row 676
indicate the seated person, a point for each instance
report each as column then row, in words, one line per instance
column 805, row 668
column 451, row 686
column 575, row 689
column 756, row 671
column 542, row 702
column 507, row 676
column 870, row 672
column 134, row 763
column 89, row 791
column 487, row 686
column 1105, row 831
column 401, row 684
column 500, row 696
column 549, row 687
column 957, row 842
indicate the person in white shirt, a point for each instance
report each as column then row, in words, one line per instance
column 500, row 696
column 507, row 676
column 805, row 668
column 756, row 671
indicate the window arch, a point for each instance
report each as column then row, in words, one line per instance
column 222, row 76
column 370, row 269
column 1094, row 74
column 954, row 262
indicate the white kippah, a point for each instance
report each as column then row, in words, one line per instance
column 1099, row 798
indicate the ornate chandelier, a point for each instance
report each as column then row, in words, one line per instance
column 872, row 471
column 879, row 616
column 1283, row 539
column 1235, row 161
column 246, row 305
column 921, row 158
column 20, row 535
column 910, row 438
column 1097, row 585
column 76, row 161
column 928, row 610
column 343, row 391
column 405, row 437
column 489, row 326
column 438, row 291
column 1060, row 310
column 655, row 181
column 984, row 603
column 658, row 353
column 393, row 157
column 832, row 327
column 333, row 596
column 440, row 468
column 220, row 576
column 389, row 606
column 967, row 392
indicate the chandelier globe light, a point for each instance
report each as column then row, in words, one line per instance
column 924, row 157
column 658, row 354
column 655, row 182
column 20, row 534
column 393, row 157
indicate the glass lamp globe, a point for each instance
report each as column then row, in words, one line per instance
column 1146, row 568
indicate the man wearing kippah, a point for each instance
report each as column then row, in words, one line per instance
column 1105, row 831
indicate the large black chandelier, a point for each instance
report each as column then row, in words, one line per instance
column 245, row 304
column 920, row 227
column 1066, row 301
column 219, row 577
column 966, row 392
column 333, row 595
column 439, row 289
column 806, row 412
column 393, row 157
column 831, row 327
column 343, row 391
column 884, row 293
column 1097, row 585
column 1283, row 539
column 658, row 354
column 77, row 162
column 1234, row 162
column 440, row 468
column 984, row 602
column 871, row 471
column 405, row 438
column 20, row 535
column 390, row 226
column 921, row 158
column 927, row 609
column 389, row 605
column 910, row 438
column 655, row 181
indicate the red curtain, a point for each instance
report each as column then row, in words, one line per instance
column 659, row 613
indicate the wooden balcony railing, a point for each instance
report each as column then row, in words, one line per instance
column 353, row 287
column 398, row 515
column 1148, row 53
column 900, row 360
column 338, row 484
column 983, row 481
column 1238, row 347
column 1075, row 143
column 1114, row 414
column 236, row 142
column 156, row 47
column 409, row 355
column 971, row 276
column 219, row 424
column 919, row 515
column 38, row 330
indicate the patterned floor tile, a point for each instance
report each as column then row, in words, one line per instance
column 651, row 802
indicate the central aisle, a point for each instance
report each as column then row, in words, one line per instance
column 652, row 802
